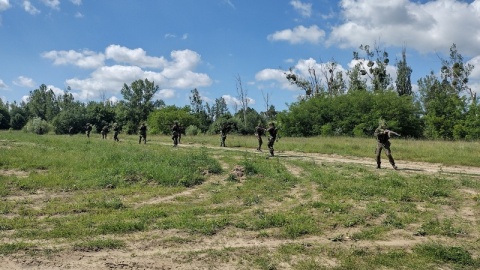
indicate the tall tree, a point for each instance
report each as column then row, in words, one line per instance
column 374, row 64
column 455, row 72
column 243, row 97
column 138, row 100
column 403, row 82
column 42, row 103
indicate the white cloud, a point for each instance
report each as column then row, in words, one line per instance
column 76, row 2
column 165, row 94
column 476, row 71
column 305, row 9
column 170, row 75
column 2, row 84
column 24, row 82
column 298, row 35
column 233, row 101
column 55, row 4
column 136, row 57
column 78, row 15
column 4, row 5
column 85, row 59
column 28, row 7
column 426, row 27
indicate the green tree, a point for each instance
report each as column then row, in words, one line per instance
column 199, row 110
column 374, row 64
column 443, row 107
column 356, row 80
column 42, row 103
column 138, row 101
column 403, row 82
column 249, row 120
column 99, row 114
column 18, row 115
column 160, row 121
column 4, row 116
column 456, row 73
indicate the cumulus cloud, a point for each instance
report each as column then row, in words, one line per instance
column 54, row 4
column 78, row 15
column 425, row 27
column 28, row 7
column 136, row 57
column 76, row 2
column 305, row 9
column 2, row 84
column 298, row 35
column 233, row 101
column 178, row 73
column 165, row 94
column 4, row 5
column 25, row 82
column 84, row 59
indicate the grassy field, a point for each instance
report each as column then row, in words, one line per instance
column 153, row 206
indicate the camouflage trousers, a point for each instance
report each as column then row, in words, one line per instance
column 388, row 152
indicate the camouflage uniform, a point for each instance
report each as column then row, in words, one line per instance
column 116, row 131
column 259, row 132
column 383, row 135
column 88, row 129
column 104, row 132
column 143, row 134
column 223, row 137
column 272, row 137
column 175, row 133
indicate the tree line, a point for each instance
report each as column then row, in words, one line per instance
column 334, row 103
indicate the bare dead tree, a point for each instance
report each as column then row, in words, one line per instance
column 242, row 96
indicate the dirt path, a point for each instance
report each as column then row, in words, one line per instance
column 403, row 165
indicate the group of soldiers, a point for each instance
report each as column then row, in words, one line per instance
column 382, row 135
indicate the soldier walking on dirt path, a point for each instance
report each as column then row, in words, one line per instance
column 383, row 135
column 259, row 132
column 272, row 137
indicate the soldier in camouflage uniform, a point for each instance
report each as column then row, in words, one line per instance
column 143, row 134
column 259, row 132
column 88, row 129
column 383, row 135
column 104, row 132
column 223, row 135
column 175, row 133
column 116, row 131
column 272, row 137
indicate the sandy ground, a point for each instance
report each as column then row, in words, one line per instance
column 153, row 250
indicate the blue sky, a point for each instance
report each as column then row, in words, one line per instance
column 94, row 47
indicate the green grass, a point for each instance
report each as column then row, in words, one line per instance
column 67, row 193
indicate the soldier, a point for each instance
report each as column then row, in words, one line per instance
column 181, row 130
column 143, row 133
column 383, row 135
column 104, row 132
column 88, row 129
column 223, row 135
column 116, row 131
column 272, row 137
column 175, row 133
column 70, row 130
column 259, row 132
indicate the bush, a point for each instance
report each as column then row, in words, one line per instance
column 192, row 130
column 37, row 126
